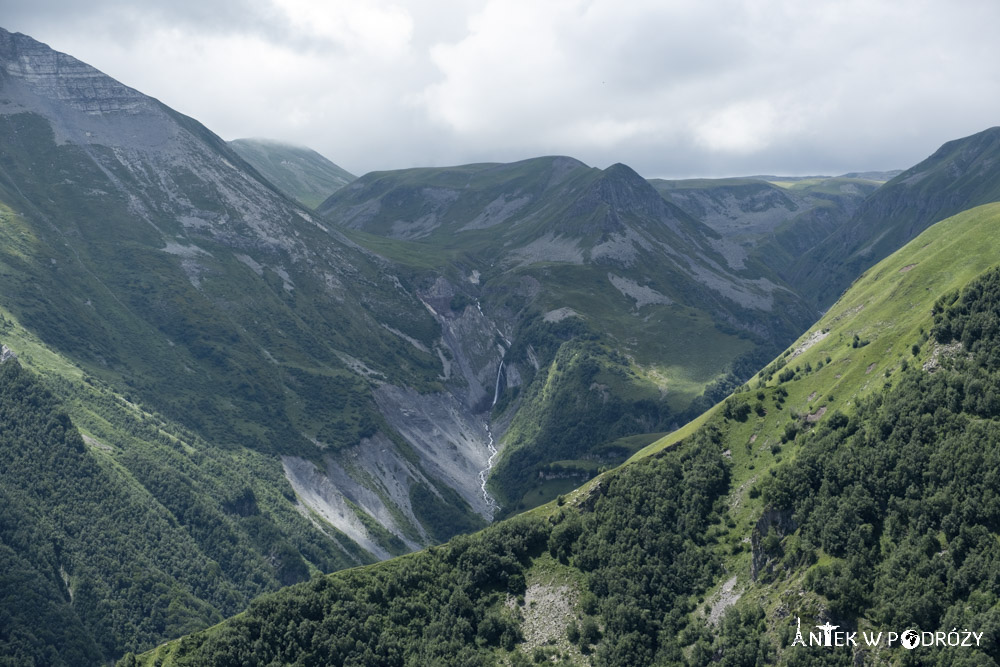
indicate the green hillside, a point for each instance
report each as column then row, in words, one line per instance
column 112, row 542
column 217, row 348
column 850, row 482
column 961, row 174
column 301, row 173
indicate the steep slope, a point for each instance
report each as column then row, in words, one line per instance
column 612, row 310
column 851, row 484
column 301, row 173
column 961, row 174
column 73, row 525
column 232, row 356
column 774, row 219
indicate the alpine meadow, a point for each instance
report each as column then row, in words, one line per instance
column 258, row 410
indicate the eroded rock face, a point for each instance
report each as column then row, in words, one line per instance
column 57, row 76
column 146, row 151
column 451, row 441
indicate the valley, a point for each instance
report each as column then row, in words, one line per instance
column 754, row 491
column 420, row 401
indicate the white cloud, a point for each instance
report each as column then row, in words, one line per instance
column 363, row 29
column 670, row 87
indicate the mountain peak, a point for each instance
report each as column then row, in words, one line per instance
column 37, row 75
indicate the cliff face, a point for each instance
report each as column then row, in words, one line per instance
column 62, row 79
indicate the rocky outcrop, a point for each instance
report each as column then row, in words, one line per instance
column 6, row 354
column 782, row 523
column 64, row 79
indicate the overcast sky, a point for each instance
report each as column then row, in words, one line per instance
column 673, row 88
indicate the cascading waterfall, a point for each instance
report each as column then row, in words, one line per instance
column 496, row 390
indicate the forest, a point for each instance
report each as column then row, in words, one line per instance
column 892, row 517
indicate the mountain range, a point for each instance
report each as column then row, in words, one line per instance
column 252, row 368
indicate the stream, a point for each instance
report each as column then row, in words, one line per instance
column 484, row 473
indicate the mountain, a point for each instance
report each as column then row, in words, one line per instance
column 961, row 174
column 775, row 219
column 267, row 397
column 210, row 392
column 849, row 484
column 226, row 358
column 613, row 310
column 301, row 173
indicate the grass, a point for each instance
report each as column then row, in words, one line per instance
column 888, row 307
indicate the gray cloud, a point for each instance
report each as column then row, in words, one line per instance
column 674, row 89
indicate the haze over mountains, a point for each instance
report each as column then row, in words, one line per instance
column 301, row 173
column 268, row 369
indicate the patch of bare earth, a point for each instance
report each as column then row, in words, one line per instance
column 725, row 598
column 547, row 612
column 871, row 367
column 814, row 417
column 94, row 442
column 907, row 268
column 736, row 497
column 814, row 337
column 848, row 313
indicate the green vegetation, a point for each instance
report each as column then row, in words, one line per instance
column 303, row 174
column 143, row 534
column 875, row 512
column 960, row 175
column 897, row 520
column 458, row 604
column 587, row 398
column 236, row 358
column 182, row 327
column 189, row 364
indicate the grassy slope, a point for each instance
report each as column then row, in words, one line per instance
column 888, row 306
column 183, row 493
column 961, row 174
column 301, row 173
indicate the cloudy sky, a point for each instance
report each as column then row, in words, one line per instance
column 673, row 88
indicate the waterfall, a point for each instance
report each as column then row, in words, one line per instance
column 490, row 446
column 496, row 390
